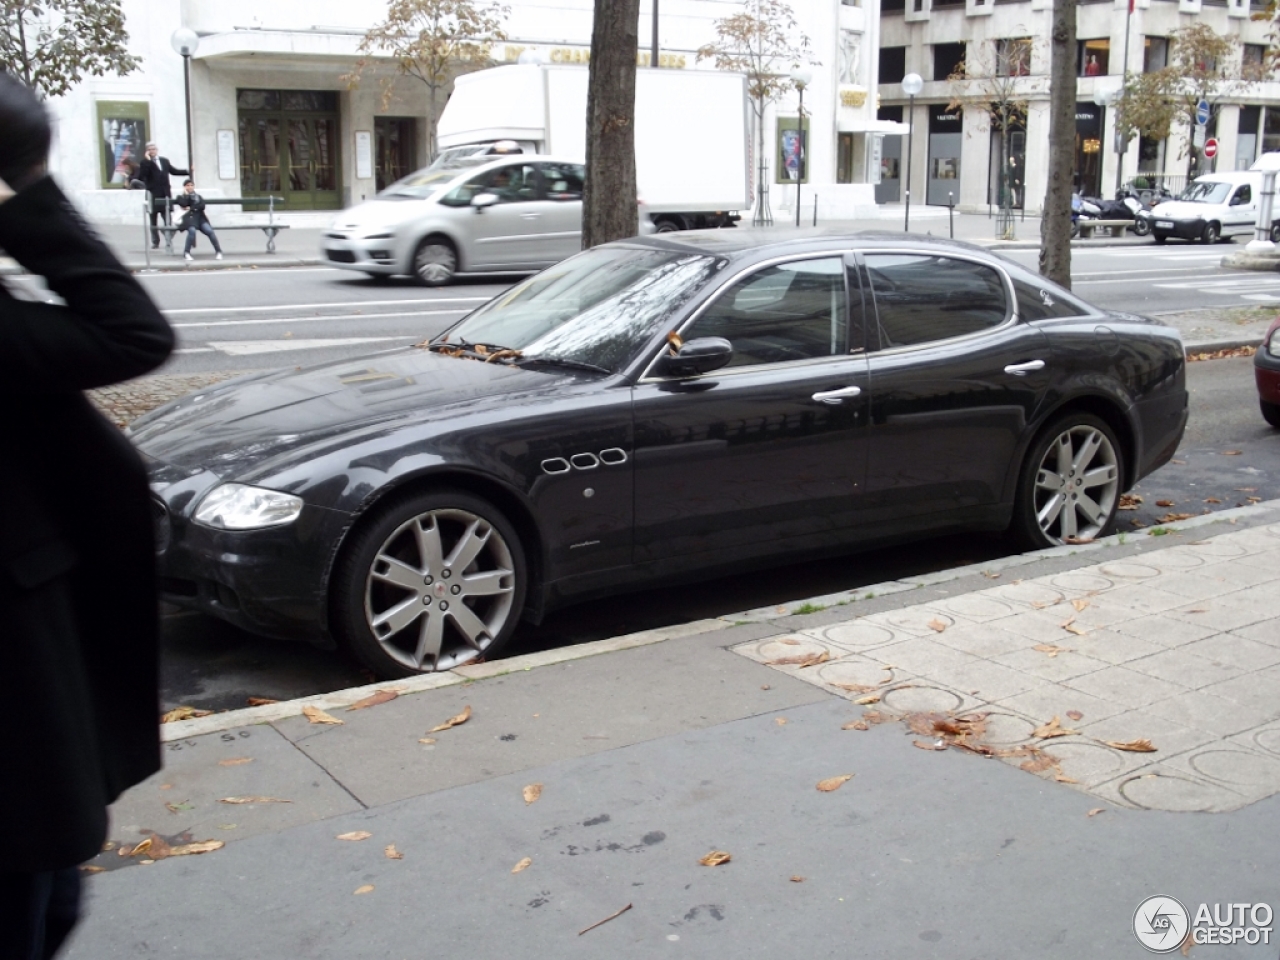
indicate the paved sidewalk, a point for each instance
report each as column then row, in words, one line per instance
column 613, row 767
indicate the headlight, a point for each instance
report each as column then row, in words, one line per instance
column 235, row 506
column 1273, row 343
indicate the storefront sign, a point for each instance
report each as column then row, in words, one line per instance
column 364, row 155
column 582, row 55
column 852, row 96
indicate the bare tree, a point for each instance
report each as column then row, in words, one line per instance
column 762, row 41
column 431, row 41
column 52, row 44
column 1055, row 223
column 609, row 209
column 992, row 83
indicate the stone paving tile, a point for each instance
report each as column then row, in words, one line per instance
column 1167, row 788
column 1062, row 666
column 1112, row 646
column 1199, row 585
column 925, row 657
column 1204, row 711
column 1232, row 765
column 1090, row 763
column 1253, row 689
column 1082, row 583
column 1027, row 595
column 1124, row 687
column 1268, row 631
column 1145, row 598
column 1042, row 626
column 1238, row 651
column 985, row 680
column 1169, row 738
column 1265, row 738
column 1228, row 612
column 982, row 640
column 856, row 635
column 1054, row 700
column 1167, row 631
column 977, row 607
column 1185, row 668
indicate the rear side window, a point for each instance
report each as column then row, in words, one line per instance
column 922, row 297
column 1039, row 302
column 563, row 180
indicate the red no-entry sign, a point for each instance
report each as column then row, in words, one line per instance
column 1210, row 149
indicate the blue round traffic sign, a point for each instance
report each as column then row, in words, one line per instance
column 1202, row 112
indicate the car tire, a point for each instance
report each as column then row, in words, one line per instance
column 1160, row 238
column 1142, row 227
column 433, row 581
column 1212, row 233
column 666, row 225
column 435, row 261
column 1270, row 412
column 1275, row 233
column 1070, row 483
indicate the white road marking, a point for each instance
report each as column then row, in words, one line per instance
column 341, row 305
column 244, row 348
column 336, row 316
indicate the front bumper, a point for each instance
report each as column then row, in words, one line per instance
column 1180, row 228
column 376, row 254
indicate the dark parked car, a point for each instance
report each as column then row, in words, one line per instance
column 1266, row 373
column 653, row 409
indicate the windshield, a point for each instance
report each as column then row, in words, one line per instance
column 1206, row 191
column 424, row 183
column 594, row 308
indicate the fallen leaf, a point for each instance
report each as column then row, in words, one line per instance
column 990, row 576
column 532, row 792
column 1181, row 463
column 1212, row 500
column 1188, row 942
column 780, row 721
column 190, row 849
column 1166, row 503
column 90, row 868
column 1080, row 604
column 797, row 879
column 1129, row 501
column 715, row 858
column 834, row 783
column 1075, row 628
column 866, row 701
column 260, row 701
column 354, row 835
column 316, row 715
column 801, row 660
column 1074, row 715
column 1051, row 649
column 522, row 865
column 1132, row 746
column 143, row 847
column 936, row 745
column 612, row 916
column 937, row 625
column 1039, row 762
column 1232, row 453
column 253, row 800
column 367, row 888
column 789, row 641
column 1252, row 500
column 1063, row 778
column 1174, row 517
column 461, row 718
column 1199, row 610
column 1095, row 811
column 391, row 853
column 426, row 739
column 235, row 761
column 178, row 807
column 1047, row 731
column 165, row 786
column 856, row 687
column 765, row 687
column 876, row 717
column 183, row 713
column 375, row 698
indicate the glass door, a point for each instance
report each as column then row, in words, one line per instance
column 259, row 156
column 289, row 147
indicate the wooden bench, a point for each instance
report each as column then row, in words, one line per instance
column 1116, row 227
column 270, row 228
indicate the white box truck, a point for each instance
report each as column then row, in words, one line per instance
column 692, row 161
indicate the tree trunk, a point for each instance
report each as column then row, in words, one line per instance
column 1055, row 223
column 609, row 198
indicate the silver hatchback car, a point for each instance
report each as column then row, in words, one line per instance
column 470, row 215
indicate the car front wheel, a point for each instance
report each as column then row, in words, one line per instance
column 1159, row 237
column 1141, row 227
column 433, row 582
column 1270, row 412
column 435, row 262
column 1212, row 233
column 1070, row 484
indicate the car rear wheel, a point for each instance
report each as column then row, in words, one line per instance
column 1141, row 227
column 1070, row 484
column 1211, row 234
column 1270, row 412
column 435, row 581
column 1275, row 233
column 435, row 261
column 1159, row 237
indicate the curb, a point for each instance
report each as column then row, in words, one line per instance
column 270, row 713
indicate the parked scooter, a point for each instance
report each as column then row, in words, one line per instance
column 1082, row 208
column 1141, row 202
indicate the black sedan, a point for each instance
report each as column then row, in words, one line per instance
column 655, row 409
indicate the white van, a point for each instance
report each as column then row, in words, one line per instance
column 1214, row 206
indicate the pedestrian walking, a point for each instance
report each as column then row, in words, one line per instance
column 78, row 602
column 195, row 219
column 154, row 172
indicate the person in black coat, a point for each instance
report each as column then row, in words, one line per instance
column 154, row 172
column 78, row 603
column 195, row 219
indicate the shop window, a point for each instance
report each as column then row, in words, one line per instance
column 1094, row 57
column 893, row 64
column 892, row 6
column 122, row 138
column 946, row 58
column 1155, row 54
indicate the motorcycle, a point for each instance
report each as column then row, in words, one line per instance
column 1082, row 208
column 1141, row 203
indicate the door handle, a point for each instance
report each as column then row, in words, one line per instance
column 836, row 396
column 1022, row 369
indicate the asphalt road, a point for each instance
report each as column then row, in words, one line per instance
column 1229, row 455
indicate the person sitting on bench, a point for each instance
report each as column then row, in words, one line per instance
column 195, row 219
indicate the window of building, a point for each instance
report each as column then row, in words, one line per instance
column 792, row 311
column 946, row 58
column 893, row 64
column 1094, row 56
column 1253, row 61
column 1271, row 129
column 921, row 298
column 1013, row 57
column 1155, row 54
column 122, row 138
column 892, row 7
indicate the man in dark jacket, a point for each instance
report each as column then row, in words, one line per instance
column 78, row 608
column 195, row 219
column 154, row 172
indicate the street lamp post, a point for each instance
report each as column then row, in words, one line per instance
column 1111, row 98
column 801, row 78
column 911, row 85
column 184, row 42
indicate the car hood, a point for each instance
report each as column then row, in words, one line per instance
column 381, row 213
column 1184, row 209
column 250, row 424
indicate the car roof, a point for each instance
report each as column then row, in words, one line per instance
column 742, row 243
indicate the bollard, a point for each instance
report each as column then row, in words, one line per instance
column 815, row 209
column 146, row 224
column 951, row 213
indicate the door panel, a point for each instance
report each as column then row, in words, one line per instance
column 562, row 185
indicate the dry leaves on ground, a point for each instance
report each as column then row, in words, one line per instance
column 1222, row 354
column 797, row 879
column 1047, row 731
column 1232, row 453
column 1081, row 604
column 936, row 745
column 715, row 858
column 1132, row 746
column 253, row 800
column 1130, row 501
column 1095, row 811
column 1051, row 649
column 354, row 835
column 1074, row 715
column 612, row 916
column 532, row 792
column 461, row 718
column 780, row 721
column 789, row 641
column 856, row 725
column 179, row 807
column 834, row 783
column 235, row 761
column 391, row 853
column 375, row 698
column 522, row 865
column 184, row 713
column 1165, row 503
column 367, row 888
column 937, row 626
column 316, row 715
column 1174, row 517
column 868, row 700
column 155, row 847
column 427, row 740
column 260, row 701
column 800, row 660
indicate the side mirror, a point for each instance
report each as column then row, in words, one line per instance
column 482, row 200
column 696, row 357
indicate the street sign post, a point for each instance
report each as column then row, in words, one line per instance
column 1197, row 137
column 1202, row 112
column 1210, row 149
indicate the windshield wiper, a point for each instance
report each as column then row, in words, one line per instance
column 562, row 362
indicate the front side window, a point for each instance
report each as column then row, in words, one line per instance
column 1243, row 195
column 791, row 311
column 514, row 183
column 923, row 297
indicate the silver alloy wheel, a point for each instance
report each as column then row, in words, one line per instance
column 440, row 589
column 1077, row 485
column 435, row 263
